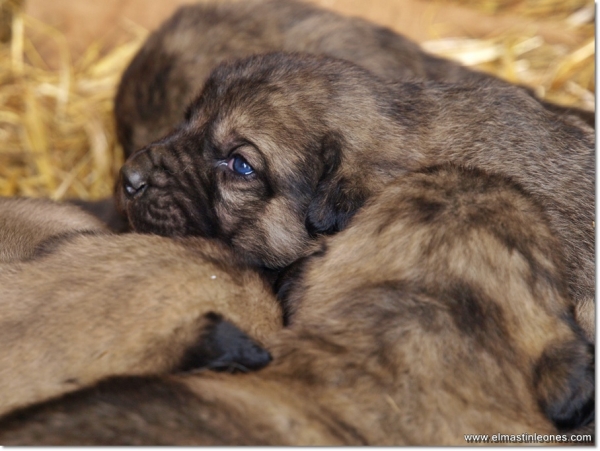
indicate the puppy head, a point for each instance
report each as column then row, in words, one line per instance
column 257, row 163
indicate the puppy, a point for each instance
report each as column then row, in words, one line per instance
column 172, row 66
column 26, row 223
column 448, row 315
column 280, row 148
column 80, row 304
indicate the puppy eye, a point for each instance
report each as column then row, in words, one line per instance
column 239, row 165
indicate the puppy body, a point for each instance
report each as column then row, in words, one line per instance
column 83, row 306
column 465, row 268
column 322, row 136
column 25, row 223
column 447, row 315
column 174, row 63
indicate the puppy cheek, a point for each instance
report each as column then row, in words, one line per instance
column 285, row 233
column 289, row 243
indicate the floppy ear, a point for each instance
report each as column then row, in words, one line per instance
column 224, row 347
column 336, row 199
column 288, row 284
column 565, row 384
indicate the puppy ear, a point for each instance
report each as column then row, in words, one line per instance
column 224, row 347
column 565, row 384
column 336, row 199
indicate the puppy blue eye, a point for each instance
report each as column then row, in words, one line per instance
column 240, row 165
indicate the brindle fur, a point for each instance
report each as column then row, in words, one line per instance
column 175, row 61
column 79, row 304
column 442, row 311
column 323, row 135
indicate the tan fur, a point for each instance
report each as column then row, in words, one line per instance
column 82, row 306
column 440, row 312
column 25, row 223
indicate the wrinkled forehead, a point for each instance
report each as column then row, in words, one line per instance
column 268, row 118
column 271, row 103
column 256, row 86
column 280, row 113
column 288, row 143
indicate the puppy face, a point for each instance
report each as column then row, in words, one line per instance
column 243, row 167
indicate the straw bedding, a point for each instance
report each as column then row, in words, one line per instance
column 56, row 126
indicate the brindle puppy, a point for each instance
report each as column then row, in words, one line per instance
column 175, row 61
column 80, row 304
column 448, row 315
column 280, row 148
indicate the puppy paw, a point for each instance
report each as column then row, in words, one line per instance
column 224, row 347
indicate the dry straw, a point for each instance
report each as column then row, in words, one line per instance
column 562, row 72
column 57, row 134
column 56, row 126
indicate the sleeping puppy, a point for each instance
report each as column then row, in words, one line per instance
column 172, row 66
column 26, row 223
column 80, row 304
column 449, row 315
column 280, row 148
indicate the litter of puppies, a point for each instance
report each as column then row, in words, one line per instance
column 362, row 243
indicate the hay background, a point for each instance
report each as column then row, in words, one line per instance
column 61, row 60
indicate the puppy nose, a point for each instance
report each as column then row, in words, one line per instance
column 134, row 180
